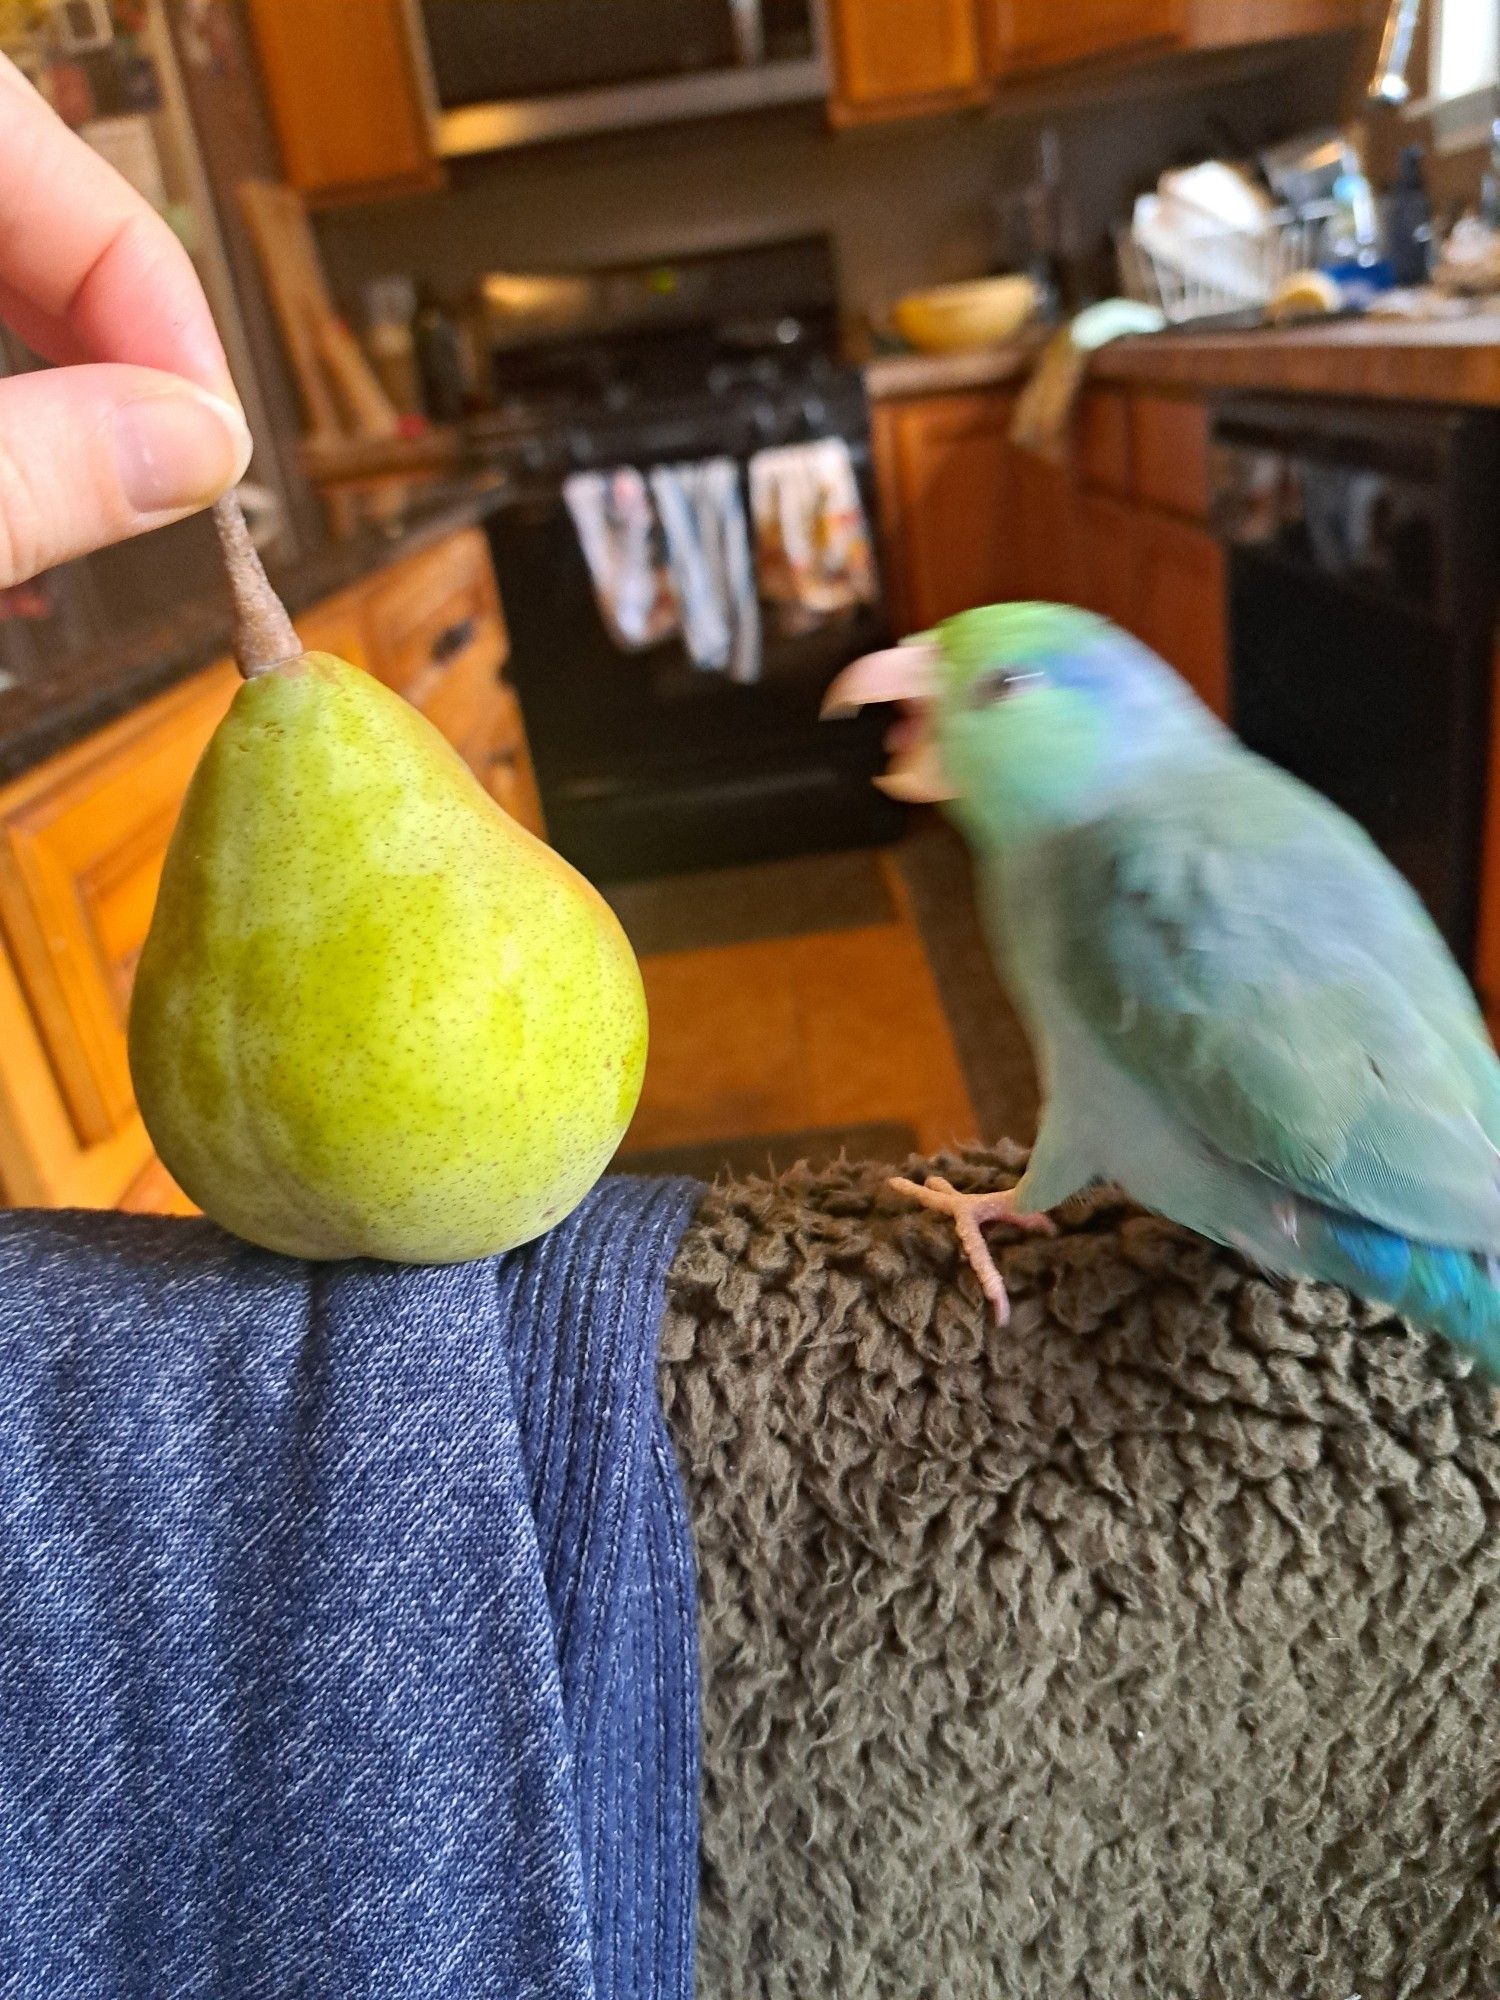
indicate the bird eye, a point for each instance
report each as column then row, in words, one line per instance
column 999, row 683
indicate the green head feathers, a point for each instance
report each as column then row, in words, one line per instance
column 1044, row 712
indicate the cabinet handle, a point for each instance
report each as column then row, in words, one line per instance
column 454, row 639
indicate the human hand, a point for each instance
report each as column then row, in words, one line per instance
column 140, row 425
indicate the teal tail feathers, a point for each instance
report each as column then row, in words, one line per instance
column 1452, row 1292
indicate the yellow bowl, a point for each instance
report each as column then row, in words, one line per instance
column 950, row 318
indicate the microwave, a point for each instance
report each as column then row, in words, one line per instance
column 500, row 73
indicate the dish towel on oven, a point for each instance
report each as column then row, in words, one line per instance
column 621, row 540
column 813, row 549
column 708, row 544
column 348, row 1633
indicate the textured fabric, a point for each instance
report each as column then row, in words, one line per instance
column 702, row 514
column 347, row 1643
column 622, row 544
column 1146, row 1648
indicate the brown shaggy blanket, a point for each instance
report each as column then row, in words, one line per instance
column 1147, row 1647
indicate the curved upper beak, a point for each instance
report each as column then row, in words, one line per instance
column 903, row 673
column 906, row 674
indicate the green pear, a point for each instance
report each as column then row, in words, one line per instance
column 375, row 1017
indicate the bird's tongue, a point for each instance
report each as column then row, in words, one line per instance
column 905, row 733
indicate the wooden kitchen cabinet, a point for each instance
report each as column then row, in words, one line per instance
column 1118, row 526
column 82, row 841
column 1218, row 24
column 84, row 835
column 897, row 58
column 342, row 85
column 432, row 612
column 1169, row 453
column 1101, row 441
column 1181, row 606
column 1108, row 569
column 945, row 473
column 501, row 760
column 1043, row 529
column 893, row 58
column 1024, row 35
column 337, row 625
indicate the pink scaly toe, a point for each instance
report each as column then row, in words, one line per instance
column 969, row 1213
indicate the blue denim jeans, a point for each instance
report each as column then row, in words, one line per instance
column 347, row 1618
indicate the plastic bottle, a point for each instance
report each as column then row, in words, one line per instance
column 1408, row 222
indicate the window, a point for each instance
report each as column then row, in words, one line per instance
column 1468, row 47
column 1465, row 71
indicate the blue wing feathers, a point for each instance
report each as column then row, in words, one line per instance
column 1453, row 1292
column 1245, row 952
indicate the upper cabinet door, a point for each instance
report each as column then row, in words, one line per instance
column 1036, row 34
column 895, row 58
column 945, row 471
column 341, row 80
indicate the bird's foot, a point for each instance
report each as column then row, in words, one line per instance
column 969, row 1213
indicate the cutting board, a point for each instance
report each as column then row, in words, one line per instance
column 341, row 395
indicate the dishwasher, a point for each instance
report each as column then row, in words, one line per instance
column 1363, row 555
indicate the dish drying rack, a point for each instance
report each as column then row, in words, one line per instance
column 1205, row 269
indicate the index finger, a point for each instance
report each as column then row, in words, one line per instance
column 96, row 271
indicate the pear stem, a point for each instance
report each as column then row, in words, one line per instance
column 263, row 633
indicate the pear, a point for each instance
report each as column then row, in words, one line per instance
column 374, row 1016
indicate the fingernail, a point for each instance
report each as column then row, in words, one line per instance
column 179, row 450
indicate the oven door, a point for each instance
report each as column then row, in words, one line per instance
column 649, row 765
column 1360, row 628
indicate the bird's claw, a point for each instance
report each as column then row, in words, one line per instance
column 969, row 1213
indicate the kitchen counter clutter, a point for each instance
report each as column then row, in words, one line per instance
column 1453, row 361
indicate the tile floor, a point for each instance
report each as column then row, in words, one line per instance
column 789, row 1000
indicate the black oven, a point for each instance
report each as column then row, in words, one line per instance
column 648, row 766
column 1363, row 586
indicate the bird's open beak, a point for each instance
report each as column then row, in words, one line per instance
column 906, row 675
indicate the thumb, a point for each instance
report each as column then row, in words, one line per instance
column 91, row 455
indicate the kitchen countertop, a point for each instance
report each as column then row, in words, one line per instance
column 71, row 695
column 1419, row 361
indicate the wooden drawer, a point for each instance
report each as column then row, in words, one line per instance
column 424, row 611
column 461, row 697
column 1169, row 453
column 1108, row 559
column 944, row 466
column 82, row 841
column 1182, row 611
column 1043, row 529
column 337, row 625
column 1103, row 441
column 504, row 765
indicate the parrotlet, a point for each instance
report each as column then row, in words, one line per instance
column 1241, row 1014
